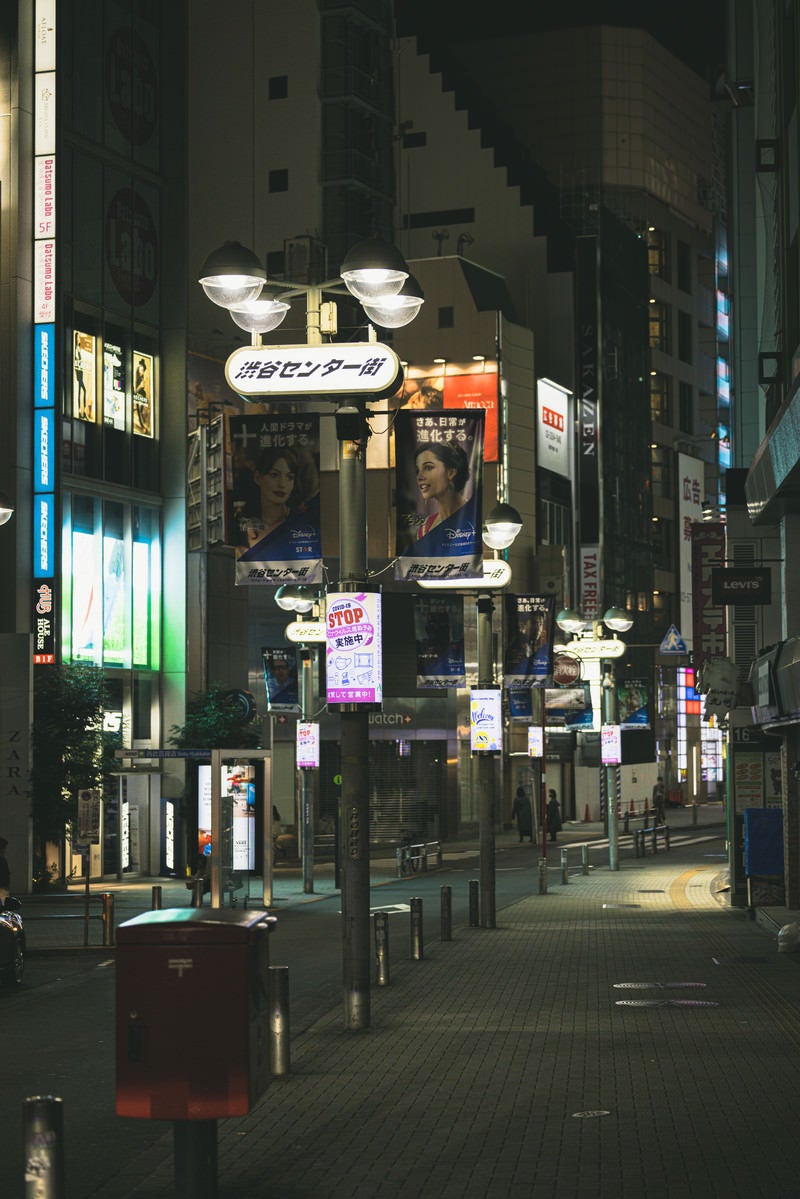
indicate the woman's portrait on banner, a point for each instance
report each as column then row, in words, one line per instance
column 439, row 459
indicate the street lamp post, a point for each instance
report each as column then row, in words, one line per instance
column 377, row 275
column 599, row 649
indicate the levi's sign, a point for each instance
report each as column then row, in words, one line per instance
column 334, row 369
column 740, row 585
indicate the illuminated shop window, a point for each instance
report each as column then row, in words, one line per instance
column 111, row 583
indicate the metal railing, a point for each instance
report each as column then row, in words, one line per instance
column 417, row 857
column 64, row 908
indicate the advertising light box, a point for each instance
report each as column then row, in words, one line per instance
column 307, row 745
column 485, row 721
column 611, row 745
column 535, row 741
column 353, row 657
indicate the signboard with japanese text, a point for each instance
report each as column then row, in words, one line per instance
column 44, row 630
column 708, row 627
column 353, row 658
column 273, row 514
column 535, row 741
column 439, row 495
column 440, row 387
column 691, row 489
column 485, row 721
column 307, row 747
column 554, row 435
column 529, row 652
column 343, row 368
column 610, row 744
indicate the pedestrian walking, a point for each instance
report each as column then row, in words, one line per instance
column 553, row 816
column 5, row 873
column 521, row 812
column 659, row 801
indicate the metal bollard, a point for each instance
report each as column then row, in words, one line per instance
column 666, row 838
column 542, row 876
column 155, row 905
column 474, row 903
column 197, row 892
column 381, row 923
column 279, row 1019
column 564, row 867
column 43, row 1134
column 446, row 914
column 585, row 859
column 108, row 918
column 416, row 929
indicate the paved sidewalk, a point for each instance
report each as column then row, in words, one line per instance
column 621, row 1037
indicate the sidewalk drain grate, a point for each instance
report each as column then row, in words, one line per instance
column 656, row 986
column 665, row 1003
column 745, row 961
column 622, row 905
column 651, row 890
column 590, row 1115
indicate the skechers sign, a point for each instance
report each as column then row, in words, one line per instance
column 733, row 585
column 335, row 369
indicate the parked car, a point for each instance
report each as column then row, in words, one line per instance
column 12, row 941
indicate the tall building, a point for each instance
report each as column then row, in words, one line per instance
column 92, row 320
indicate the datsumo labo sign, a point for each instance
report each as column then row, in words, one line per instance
column 353, row 648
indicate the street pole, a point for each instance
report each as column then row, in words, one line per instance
column 610, row 717
column 306, row 812
column 354, row 832
column 486, row 775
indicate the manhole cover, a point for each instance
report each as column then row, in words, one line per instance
column 590, row 1115
column 656, row 986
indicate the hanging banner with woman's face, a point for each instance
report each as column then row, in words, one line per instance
column 280, row 679
column 439, row 633
column 439, row 457
column 529, row 647
column 275, row 521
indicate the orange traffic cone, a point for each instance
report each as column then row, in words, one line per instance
column 586, row 816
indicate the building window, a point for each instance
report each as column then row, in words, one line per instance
column 661, row 398
column 686, row 408
column 684, row 336
column 663, row 544
column 661, row 472
column 278, row 87
column 660, row 326
column 446, row 318
column 554, row 523
column 684, row 263
column 279, row 181
column 658, row 253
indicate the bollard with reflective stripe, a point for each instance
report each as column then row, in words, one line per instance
column 446, row 914
column 416, row 929
column 543, row 876
column 585, row 858
column 279, row 1019
column 474, row 903
column 108, row 919
column 156, row 901
column 43, row 1134
column 564, row 867
column 381, row 922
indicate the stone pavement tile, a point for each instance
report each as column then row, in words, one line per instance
column 488, row 1062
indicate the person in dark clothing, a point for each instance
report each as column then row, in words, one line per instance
column 521, row 812
column 5, row 873
column 553, row 816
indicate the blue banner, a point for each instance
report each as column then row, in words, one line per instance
column 529, row 645
column 439, row 633
column 274, row 502
column 439, row 457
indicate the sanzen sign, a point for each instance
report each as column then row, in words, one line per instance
column 336, row 369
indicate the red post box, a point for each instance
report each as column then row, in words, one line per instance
column 192, row 1014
